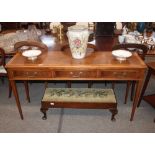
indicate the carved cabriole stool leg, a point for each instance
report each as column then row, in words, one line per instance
column 114, row 112
column 44, row 112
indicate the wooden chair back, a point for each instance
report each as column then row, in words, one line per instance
column 30, row 45
column 2, row 57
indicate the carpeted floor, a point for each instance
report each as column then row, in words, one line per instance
column 72, row 120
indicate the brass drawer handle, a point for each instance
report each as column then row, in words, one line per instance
column 51, row 103
column 71, row 73
column 30, row 74
column 123, row 74
column 76, row 75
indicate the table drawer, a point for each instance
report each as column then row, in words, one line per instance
column 32, row 74
column 120, row 74
column 75, row 74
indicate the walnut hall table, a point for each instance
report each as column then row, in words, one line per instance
column 58, row 65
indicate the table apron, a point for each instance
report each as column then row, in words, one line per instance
column 111, row 74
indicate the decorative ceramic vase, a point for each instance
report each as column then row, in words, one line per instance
column 78, row 39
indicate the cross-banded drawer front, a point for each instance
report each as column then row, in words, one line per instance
column 32, row 74
column 117, row 74
column 75, row 74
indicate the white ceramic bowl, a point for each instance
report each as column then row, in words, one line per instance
column 121, row 54
column 31, row 54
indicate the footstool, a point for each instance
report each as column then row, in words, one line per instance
column 84, row 98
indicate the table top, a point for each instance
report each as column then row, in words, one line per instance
column 59, row 59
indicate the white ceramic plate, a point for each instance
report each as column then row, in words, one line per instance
column 31, row 54
column 24, row 47
column 121, row 54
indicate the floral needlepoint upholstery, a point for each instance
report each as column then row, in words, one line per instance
column 79, row 95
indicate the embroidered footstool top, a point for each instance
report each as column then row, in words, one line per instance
column 79, row 95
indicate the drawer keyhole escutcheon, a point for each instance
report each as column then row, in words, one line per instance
column 51, row 103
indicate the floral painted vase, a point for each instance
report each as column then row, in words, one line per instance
column 78, row 39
